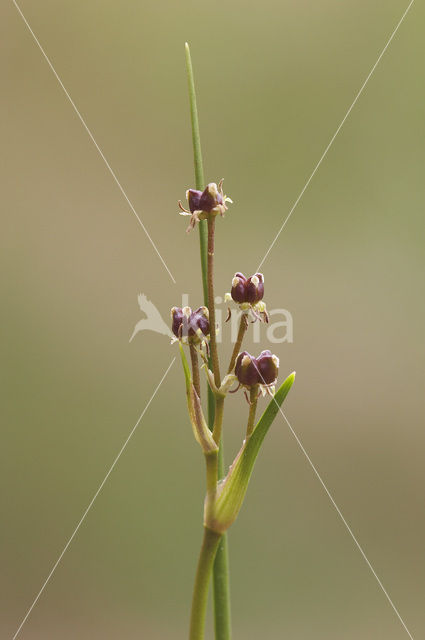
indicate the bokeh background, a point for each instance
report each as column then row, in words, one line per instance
column 274, row 80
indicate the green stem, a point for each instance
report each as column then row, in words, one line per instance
column 199, row 170
column 221, row 583
column 218, row 420
column 221, row 564
column 211, row 461
column 199, row 184
column 210, row 543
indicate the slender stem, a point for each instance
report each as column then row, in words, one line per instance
column 199, row 170
column 221, row 582
column 195, row 369
column 253, row 398
column 218, row 420
column 221, row 563
column 211, row 461
column 199, row 183
column 211, row 304
column 236, row 349
column 210, row 543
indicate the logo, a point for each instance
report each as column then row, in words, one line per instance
column 153, row 320
column 280, row 328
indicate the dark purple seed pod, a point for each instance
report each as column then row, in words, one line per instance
column 254, row 288
column 268, row 367
column 176, row 320
column 194, row 199
column 180, row 321
column 200, row 323
column 246, row 369
column 210, row 198
column 238, row 288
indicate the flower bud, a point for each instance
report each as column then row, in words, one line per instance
column 246, row 370
column 268, row 367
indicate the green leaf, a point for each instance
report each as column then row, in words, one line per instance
column 233, row 489
column 200, row 428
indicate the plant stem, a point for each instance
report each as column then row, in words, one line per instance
column 199, row 184
column 195, row 369
column 236, row 349
column 221, row 564
column 211, row 303
column 218, row 420
column 211, row 461
column 222, row 621
column 209, row 547
column 221, row 583
column 199, row 170
column 253, row 399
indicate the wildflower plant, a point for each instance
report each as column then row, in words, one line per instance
column 195, row 332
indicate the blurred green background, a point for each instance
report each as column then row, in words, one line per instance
column 274, row 81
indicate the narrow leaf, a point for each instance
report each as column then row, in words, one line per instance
column 232, row 491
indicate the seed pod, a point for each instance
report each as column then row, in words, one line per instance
column 192, row 326
column 262, row 370
column 211, row 199
column 246, row 369
column 254, row 288
column 194, row 199
column 202, row 204
column 200, row 323
column 238, row 288
column 247, row 290
column 176, row 320
column 268, row 367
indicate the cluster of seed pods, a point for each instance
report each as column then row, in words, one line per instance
column 193, row 327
